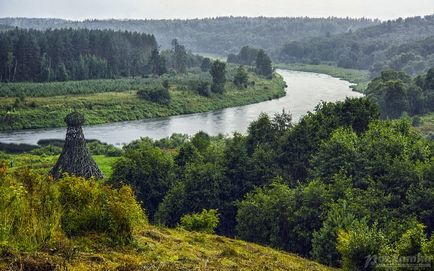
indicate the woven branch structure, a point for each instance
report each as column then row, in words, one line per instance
column 75, row 158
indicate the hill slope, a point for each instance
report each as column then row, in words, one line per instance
column 163, row 249
column 404, row 44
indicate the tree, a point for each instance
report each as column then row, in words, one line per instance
column 157, row 63
column 180, row 55
column 148, row 170
column 241, row 78
column 205, row 65
column 218, row 73
column 359, row 245
column 325, row 240
column 201, row 141
column 263, row 65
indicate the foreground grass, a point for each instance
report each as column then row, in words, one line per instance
column 105, row 107
column 360, row 78
column 159, row 249
column 43, row 163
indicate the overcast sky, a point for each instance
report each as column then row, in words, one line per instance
column 162, row 9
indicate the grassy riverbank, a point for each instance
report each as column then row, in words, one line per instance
column 360, row 78
column 120, row 104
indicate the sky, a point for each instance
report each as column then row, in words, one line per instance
column 164, row 9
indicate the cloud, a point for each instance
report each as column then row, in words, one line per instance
column 140, row 9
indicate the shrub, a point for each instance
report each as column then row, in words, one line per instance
column 205, row 221
column 358, row 245
column 47, row 150
column 90, row 207
column 156, row 93
column 201, row 86
column 36, row 212
column 99, row 148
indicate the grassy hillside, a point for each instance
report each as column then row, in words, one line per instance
column 123, row 104
column 160, row 249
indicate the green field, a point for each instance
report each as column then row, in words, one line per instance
column 102, row 106
column 43, row 163
column 360, row 78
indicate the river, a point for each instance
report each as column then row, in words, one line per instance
column 305, row 90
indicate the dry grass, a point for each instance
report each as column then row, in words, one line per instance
column 163, row 250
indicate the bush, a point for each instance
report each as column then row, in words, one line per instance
column 201, row 86
column 205, row 221
column 90, row 207
column 16, row 148
column 156, row 93
column 47, row 150
column 358, row 245
column 36, row 212
column 98, row 148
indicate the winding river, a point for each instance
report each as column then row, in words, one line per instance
column 305, row 90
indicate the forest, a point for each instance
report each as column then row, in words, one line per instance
column 66, row 54
column 397, row 93
column 336, row 187
column 221, row 35
column 402, row 44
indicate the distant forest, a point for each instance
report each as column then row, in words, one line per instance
column 223, row 35
column 403, row 44
column 82, row 54
column 67, row 54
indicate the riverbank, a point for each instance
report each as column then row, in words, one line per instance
column 115, row 106
column 360, row 78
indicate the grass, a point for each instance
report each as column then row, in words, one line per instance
column 43, row 163
column 105, row 107
column 162, row 249
column 360, row 78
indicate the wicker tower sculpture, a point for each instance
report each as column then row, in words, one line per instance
column 75, row 158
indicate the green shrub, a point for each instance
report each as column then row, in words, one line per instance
column 47, row 150
column 205, row 221
column 36, row 212
column 29, row 211
column 92, row 207
column 358, row 245
column 156, row 93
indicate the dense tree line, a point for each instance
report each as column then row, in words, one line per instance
column 338, row 186
column 404, row 44
column 222, row 35
column 253, row 57
column 66, row 54
column 397, row 93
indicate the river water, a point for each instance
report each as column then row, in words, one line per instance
column 305, row 90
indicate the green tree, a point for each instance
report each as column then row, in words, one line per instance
column 241, row 78
column 157, row 63
column 180, row 55
column 205, row 66
column 264, row 65
column 148, row 170
column 359, row 245
column 218, row 73
column 324, row 241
